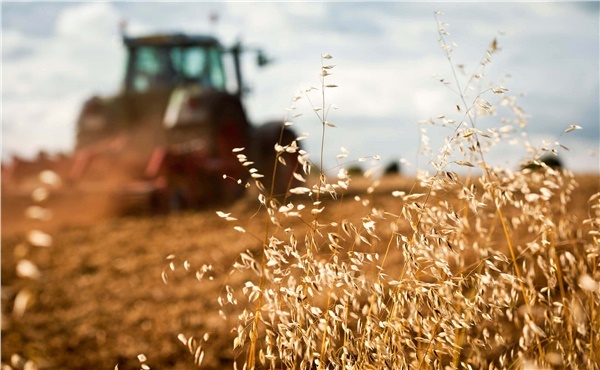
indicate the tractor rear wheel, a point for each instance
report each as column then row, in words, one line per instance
column 263, row 141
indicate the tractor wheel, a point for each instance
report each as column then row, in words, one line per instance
column 231, row 131
column 263, row 153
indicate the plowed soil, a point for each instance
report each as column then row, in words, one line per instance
column 100, row 299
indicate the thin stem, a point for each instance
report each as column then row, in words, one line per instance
column 257, row 314
column 491, row 190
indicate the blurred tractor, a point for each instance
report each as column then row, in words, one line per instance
column 166, row 139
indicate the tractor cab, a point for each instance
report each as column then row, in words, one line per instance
column 176, row 89
column 163, row 62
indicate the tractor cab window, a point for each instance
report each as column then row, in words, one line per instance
column 150, row 69
column 217, row 72
column 156, row 67
column 200, row 64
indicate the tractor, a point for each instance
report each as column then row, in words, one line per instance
column 165, row 140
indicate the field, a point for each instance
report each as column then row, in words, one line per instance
column 100, row 300
column 467, row 266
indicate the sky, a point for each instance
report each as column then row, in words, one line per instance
column 388, row 69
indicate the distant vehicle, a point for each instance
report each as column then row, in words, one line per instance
column 167, row 136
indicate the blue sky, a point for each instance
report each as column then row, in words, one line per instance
column 55, row 55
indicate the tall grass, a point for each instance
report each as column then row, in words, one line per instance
column 483, row 269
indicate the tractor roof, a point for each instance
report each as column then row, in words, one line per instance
column 173, row 39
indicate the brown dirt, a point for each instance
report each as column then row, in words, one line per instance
column 101, row 301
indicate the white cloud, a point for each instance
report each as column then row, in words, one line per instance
column 311, row 10
column 259, row 20
column 429, row 101
column 33, row 125
column 44, row 89
column 15, row 45
column 87, row 22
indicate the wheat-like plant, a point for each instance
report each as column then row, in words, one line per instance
column 487, row 269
